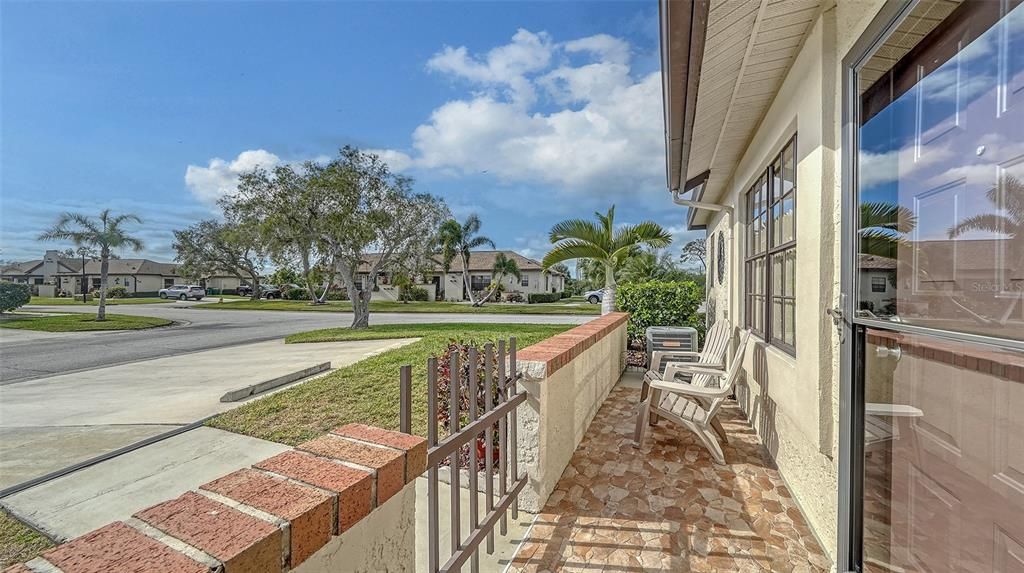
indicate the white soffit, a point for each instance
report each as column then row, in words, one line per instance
column 750, row 46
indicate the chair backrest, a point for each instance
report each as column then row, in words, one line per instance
column 731, row 374
column 716, row 342
column 737, row 362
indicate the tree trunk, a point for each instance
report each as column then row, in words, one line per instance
column 310, row 289
column 255, row 277
column 490, row 293
column 361, row 310
column 101, row 314
column 608, row 300
column 466, row 281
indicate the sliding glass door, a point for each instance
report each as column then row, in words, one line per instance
column 935, row 283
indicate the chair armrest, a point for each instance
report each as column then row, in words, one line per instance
column 713, row 365
column 688, row 389
column 893, row 410
column 691, row 368
column 658, row 355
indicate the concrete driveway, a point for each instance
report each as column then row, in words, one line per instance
column 51, row 423
column 26, row 356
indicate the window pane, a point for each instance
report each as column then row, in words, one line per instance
column 789, row 168
column 762, row 243
column 777, row 224
column 776, row 172
column 776, row 318
column 777, row 275
column 789, row 319
column 788, row 223
column 789, row 287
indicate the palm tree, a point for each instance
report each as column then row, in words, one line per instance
column 650, row 265
column 503, row 266
column 1009, row 224
column 884, row 227
column 459, row 240
column 604, row 243
column 102, row 234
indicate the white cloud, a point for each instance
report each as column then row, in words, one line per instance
column 220, row 177
column 604, row 138
column 610, row 48
column 504, row 66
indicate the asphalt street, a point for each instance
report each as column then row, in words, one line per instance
column 27, row 355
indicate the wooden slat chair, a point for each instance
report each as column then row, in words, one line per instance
column 691, row 406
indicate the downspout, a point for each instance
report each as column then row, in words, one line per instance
column 716, row 207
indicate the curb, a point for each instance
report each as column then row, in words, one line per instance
column 254, row 389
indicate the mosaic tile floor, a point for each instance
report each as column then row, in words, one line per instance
column 667, row 506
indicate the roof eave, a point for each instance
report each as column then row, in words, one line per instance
column 683, row 32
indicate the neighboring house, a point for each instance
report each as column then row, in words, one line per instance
column 138, row 276
column 781, row 118
column 451, row 286
column 877, row 282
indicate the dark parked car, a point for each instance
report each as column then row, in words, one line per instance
column 244, row 290
column 270, row 291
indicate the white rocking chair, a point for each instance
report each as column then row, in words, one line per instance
column 692, row 406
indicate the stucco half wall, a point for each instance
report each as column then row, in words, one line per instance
column 566, row 377
column 793, row 401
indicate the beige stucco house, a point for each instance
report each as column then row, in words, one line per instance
column 450, row 286
column 857, row 167
column 138, row 276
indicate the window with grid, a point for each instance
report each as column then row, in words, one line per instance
column 770, row 287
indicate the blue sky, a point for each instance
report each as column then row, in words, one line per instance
column 526, row 113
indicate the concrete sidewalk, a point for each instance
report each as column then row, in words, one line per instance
column 115, row 489
column 52, row 423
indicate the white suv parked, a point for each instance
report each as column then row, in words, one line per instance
column 183, row 292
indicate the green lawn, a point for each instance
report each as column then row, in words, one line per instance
column 79, row 322
column 53, row 301
column 19, row 543
column 417, row 307
column 366, row 391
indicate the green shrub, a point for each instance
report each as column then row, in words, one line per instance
column 658, row 303
column 14, row 295
column 564, row 294
column 412, row 293
column 537, row 297
column 117, row 292
column 336, row 293
column 292, row 293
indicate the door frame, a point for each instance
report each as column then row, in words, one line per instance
column 851, row 389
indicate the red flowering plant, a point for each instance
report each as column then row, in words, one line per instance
column 465, row 394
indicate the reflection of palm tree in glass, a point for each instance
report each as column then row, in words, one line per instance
column 1009, row 225
column 884, row 228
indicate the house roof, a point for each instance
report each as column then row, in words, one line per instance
column 22, row 268
column 874, row 262
column 748, row 48
column 34, row 266
column 947, row 260
column 129, row 267
column 479, row 261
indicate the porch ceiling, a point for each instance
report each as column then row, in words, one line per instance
column 749, row 48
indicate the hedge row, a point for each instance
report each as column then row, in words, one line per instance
column 658, row 303
column 537, row 297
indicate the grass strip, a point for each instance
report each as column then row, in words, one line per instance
column 366, row 391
